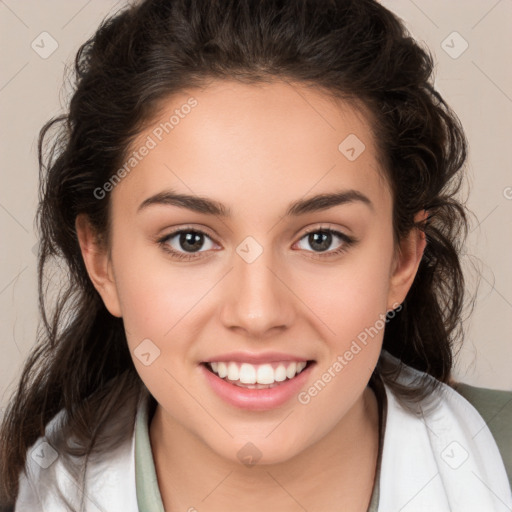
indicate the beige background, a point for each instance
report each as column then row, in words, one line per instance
column 477, row 84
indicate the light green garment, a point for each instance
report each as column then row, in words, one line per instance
column 493, row 405
column 148, row 493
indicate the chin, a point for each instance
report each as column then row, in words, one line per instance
column 258, row 451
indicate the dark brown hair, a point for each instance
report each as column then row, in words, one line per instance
column 355, row 50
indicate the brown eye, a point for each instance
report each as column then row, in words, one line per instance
column 321, row 239
column 184, row 243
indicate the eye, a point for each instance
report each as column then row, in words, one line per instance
column 188, row 240
column 320, row 239
column 186, row 243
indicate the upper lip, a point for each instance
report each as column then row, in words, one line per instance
column 255, row 358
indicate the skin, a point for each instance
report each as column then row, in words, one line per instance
column 256, row 148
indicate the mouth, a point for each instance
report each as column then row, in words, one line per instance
column 258, row 386
column 257, row 376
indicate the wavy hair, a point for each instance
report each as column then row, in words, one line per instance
column 354, row 50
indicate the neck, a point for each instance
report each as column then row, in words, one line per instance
column 340, row 468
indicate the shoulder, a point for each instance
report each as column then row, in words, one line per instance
column 52, row 480
column 495, row 407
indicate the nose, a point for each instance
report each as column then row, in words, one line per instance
column 257, row 299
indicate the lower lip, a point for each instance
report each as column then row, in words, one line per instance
column 256, row 399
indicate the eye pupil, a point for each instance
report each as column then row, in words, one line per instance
column 190, row 238
column 322, row 238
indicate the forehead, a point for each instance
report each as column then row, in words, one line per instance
column 259, row 144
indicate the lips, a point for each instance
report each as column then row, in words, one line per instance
column 256, row 358
column 256, row 381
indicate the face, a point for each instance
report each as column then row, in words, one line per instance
column 258, row 277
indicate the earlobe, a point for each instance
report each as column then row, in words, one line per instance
column 406, row 263
column 98, row 263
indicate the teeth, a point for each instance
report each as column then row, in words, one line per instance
column 291, row 370
column 247, row 373
column 222, row 370
column 233, row 373
column 265, row 374
column 280, row 373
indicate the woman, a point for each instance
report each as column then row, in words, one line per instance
column 206, row 353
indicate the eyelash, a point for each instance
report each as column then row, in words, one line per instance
column 347, row 242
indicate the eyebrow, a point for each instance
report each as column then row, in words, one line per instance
column 208, row 206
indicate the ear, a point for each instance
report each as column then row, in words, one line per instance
column 406, row 262
column 98, row 263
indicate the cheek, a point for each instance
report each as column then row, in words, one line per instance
column 350, row 307
column 352, row 295
column 159, row 307
column 164, row 309
column 155, row 294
